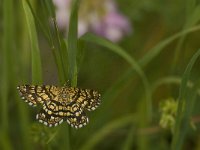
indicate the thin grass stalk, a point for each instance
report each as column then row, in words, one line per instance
column 62, row 55
column 129, row 139
column 122, row 53
column 6, row 69
column 72, row 43
column 107, row 129
column 35, row 52
column 183, row 101
column 146, row 114
column 21, row 51
column 192, row 18
column 50, row 36
column 145, row 60
column 46, row 31
column 72, row 46
column 156, row 50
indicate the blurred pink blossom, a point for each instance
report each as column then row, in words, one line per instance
column 101, row 17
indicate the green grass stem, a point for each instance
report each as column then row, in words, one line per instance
column 7, row 71
column 183, row 106
column 122, row 53
column 35, row 52
column 72, row 43
column 192, row 18
column 107, row 129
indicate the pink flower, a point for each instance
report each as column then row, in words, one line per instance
column 62, row 12
column 62, row 3
column 101, row 17
column 113, row 26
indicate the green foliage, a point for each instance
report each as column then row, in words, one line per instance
column 185, row 106
column 35, row 52
column 116, row 49
column 168, row 110
column 72, row 42
column 158, row 60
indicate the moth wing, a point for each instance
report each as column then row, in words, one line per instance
column 87, row 98
column 35, row 94
column 78, row 120
column 48, row 120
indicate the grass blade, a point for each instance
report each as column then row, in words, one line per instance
column 192, row 18
column 35, row 52
column 109, row 96
column 147, row 114
column 129, row 139
column 60, row 55
column 145, row 60
column 116, row 49
column 6, row 74
column 106, row 130
column 155, row 51
column 72, row 47
column 72, row 43
column 183, row 103
column 50, row 8
column 53, row 37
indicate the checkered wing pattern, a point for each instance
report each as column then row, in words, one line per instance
column 78, row 119
column 34, row 95
column 88, row 99
column 61, row 103
column 48, row 120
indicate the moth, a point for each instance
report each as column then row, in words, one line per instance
column 61, row 104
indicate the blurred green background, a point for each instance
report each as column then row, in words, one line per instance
column 158, row 61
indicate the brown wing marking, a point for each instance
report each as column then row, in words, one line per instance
column 48, row 120
column 88, row 99
column 34, row 95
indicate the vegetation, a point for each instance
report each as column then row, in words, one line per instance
column 149, row 81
